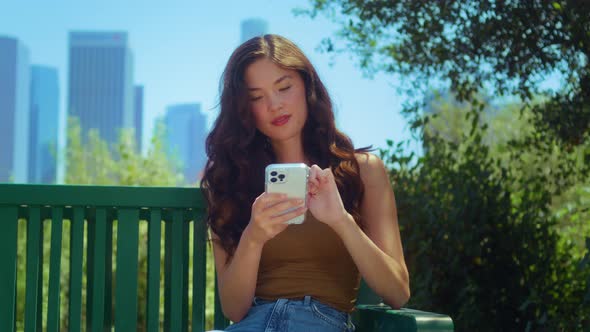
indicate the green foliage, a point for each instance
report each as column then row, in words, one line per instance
column 494, row 216
column 572, row 209
column 468, row 46
column 480, row 237
column 97, row 163
column 509, row 125
column 511, row 138
column 485, row 218
column 89, row 160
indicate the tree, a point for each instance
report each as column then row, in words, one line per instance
column 89, row 160
column 480, row 212
column 480, row 239
column 505, row 137
column 507, row 46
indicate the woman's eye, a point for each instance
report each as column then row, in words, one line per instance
column 285, row 88
column 255, row 98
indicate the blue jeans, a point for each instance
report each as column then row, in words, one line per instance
column 284, row 315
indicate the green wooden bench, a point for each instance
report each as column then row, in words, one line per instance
column 110, row 287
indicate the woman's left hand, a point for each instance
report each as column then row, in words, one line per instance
column 323, row 198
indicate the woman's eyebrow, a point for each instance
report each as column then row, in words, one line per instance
column 279, row 80
column 282, row 78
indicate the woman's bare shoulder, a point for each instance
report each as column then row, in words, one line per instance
column 371, row 167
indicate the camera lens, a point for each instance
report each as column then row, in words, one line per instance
column 273, row 173
column 273, row 180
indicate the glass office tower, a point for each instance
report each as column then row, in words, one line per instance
column 44, row 122
column 101, row 91
column 253, row 27
column 186, row 130
column 14, row 110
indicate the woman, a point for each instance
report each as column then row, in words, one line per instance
column 279, row 277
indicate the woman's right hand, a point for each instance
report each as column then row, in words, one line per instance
column 267, row 219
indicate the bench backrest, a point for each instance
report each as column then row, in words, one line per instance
column 113, row 233
column 111, row 217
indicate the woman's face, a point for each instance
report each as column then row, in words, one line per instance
column 277, row 100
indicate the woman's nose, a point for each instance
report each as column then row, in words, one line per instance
column 275, row 102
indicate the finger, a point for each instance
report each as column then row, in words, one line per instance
column 266, row 198
column 274, row 196
column 283, row 218
column 325, row 175
column 314, row 170
column 313, row 181
column 281, row 207
column 313, row 186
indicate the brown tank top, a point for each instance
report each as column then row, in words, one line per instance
column 308, row 259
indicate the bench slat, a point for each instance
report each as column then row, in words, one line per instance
column 98, row 271
column 185, row 258
column 126, row 285
column 76, row 253
column 55, row 270
column 40, row 295
column 34, row 237
column 108, row 281
column 176, row 277
column 8, row 257
column 153, row 282
column 167, row 272
column 199, row 270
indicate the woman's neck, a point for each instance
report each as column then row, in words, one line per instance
column 289, row 152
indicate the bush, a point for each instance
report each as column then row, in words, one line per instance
column 480, row 239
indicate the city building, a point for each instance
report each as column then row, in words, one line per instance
column 44, row 121
column 100, row 84
column 253, row 27
column 14, row 110
column 186, row 129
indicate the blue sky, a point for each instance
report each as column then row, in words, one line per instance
column 180, row 49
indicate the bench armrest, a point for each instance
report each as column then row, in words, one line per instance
column 378, row 318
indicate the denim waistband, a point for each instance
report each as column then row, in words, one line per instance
column 305, row 301
column 322, row 314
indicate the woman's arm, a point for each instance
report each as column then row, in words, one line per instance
column 236, row 278
column 377, row 252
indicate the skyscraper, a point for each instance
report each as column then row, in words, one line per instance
column 100, row 91
column 44, row 121
column 138, row 114
column 14, row 110
column 253, row 27
column 185, row 138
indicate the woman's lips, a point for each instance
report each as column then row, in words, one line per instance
column 281, row 120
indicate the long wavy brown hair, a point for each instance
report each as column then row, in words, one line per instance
column 238, row 153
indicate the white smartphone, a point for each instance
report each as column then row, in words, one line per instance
column 290, row 179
